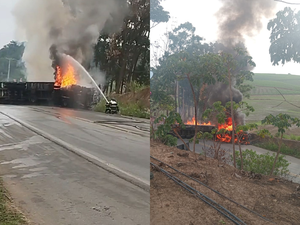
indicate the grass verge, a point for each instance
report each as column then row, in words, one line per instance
column 8, row 216
column 285, row 150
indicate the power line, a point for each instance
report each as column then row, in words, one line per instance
column 291, row 3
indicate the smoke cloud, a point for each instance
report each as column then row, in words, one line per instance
column 237, row 18
column 242, row 17
column 52, row 27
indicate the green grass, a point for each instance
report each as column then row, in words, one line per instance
column 264, row 84
column 292, row 137
column 269, row 104
column 285, row 150
column 135, row 110
column 7, row 215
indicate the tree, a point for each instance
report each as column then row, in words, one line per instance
column 158, row 14
column 236, row 68
column 12, row 52
column 163, row 130
column 220, row 112
column 125, row 56
column 285, row 37
column 198, row 70
column 282, row 122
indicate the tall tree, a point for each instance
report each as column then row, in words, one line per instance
column 125, row 56
column 236, row 68
column 285, row 37
column 11, row 61
column 158, row 14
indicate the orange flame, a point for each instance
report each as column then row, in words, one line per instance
column 221, row 137
column 193, row 122
column 67, row 78
column 227, row 126
column 58, row 77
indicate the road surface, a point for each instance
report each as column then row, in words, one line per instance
column 294, row 166
column 55, row 186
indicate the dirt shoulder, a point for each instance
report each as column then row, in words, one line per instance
column 276, row 199
column 9, row 214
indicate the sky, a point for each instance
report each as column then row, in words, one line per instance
column 7, row 24
column 194, row 11
column 201, row 15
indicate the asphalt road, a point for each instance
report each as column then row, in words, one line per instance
column 54, row 186
column 294, row 166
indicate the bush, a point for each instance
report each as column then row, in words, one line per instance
column 293, row 137
column 135, row 110
column 169, row 140
column 262, row 163
column 100, row 107
column 283, row 150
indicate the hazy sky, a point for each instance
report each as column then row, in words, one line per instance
column 201, row 15
column 7, row 24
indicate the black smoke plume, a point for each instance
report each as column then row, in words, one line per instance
column 72, row 27
column 237, row 18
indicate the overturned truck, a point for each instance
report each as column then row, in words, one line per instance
column 46, row 93
column 189, row 132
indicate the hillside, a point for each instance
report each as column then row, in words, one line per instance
column 267, row 100
column 264, row 84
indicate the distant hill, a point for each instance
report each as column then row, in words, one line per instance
column 264, row 84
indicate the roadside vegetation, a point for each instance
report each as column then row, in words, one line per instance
column 8, row 215
column 262, row 163
column 271, row 146
column 134, row 103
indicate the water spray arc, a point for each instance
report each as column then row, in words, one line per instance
column 87, row 73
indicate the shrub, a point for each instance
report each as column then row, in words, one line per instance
column 100, row 107
column 169, row 140
column 293, row 137
column 283, row 150
column 262, row 163
column 135, row 110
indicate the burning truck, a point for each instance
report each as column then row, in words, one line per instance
column 189, row 131
column 65, row 91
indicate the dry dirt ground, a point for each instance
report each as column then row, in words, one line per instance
column 276, row 199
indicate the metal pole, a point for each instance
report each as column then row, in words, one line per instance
column 8, row 72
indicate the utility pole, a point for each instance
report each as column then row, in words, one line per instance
column 8, row 71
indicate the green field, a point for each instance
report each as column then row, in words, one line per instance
column 267, row 100
column 265, row 84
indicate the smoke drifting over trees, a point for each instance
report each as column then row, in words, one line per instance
column 242, row 17
column 237, row 18
column 72, row 26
